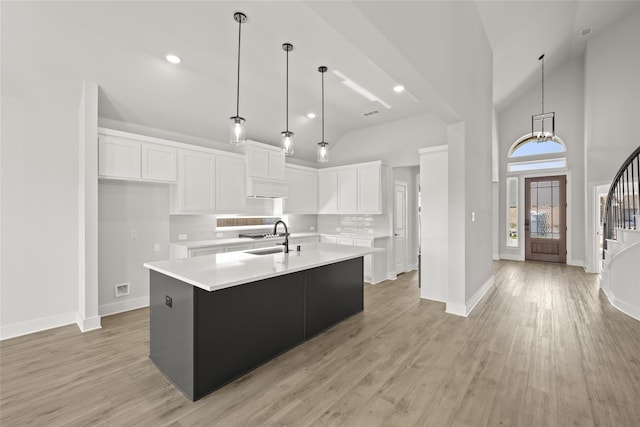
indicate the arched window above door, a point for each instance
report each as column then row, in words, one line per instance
column 532, row 153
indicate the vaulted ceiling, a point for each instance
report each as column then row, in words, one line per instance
column 122, row 45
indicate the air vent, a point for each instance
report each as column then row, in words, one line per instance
column 371, row 113
column 585, row 32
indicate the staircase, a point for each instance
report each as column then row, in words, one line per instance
column 620, row 277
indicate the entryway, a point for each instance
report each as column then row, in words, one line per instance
column 546, row 219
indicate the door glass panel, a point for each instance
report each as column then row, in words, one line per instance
column 545, row 209
column 512, row 212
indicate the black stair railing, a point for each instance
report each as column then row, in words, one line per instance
column 622, row 204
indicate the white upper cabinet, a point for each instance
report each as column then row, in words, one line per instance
column 303, row 190
column 195, row 192
column 158, row 163
column 128, row 156
column 229, row 184
column 118, row 157
column 328, row 192
column 208, row 183
column 264, row 161
column 369, row 189
column 347, row 190
column 353, row 189
column 265, row 170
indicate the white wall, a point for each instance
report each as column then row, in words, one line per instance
column 125, row 206
column 612, row 107
column 395, row 143
column 564, row 95
column 39, row 173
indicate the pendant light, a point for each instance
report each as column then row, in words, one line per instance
column 542, row 136
column 238, row 131
column 287, row 136
column 323, row 146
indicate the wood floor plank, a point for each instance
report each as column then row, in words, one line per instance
column 543, row 347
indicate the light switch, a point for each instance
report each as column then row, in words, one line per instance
column 156, row 247
column 182, row 237
column 133, row 233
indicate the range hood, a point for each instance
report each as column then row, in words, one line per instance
column 266, row 189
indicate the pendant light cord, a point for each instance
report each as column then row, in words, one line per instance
column 322, row 106
column 542, row 59
column 287, row 90
column 238, row 86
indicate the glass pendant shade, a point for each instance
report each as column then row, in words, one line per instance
column 323, row 152
column 287, row 142
column 238, row 128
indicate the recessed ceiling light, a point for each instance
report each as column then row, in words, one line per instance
column 398, row 88
column 174, row 59
column 311, row 115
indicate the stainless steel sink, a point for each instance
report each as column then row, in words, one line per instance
column 266, row 251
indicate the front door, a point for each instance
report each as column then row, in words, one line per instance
column 545, row 224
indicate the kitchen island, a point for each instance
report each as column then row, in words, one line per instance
column 214, row 318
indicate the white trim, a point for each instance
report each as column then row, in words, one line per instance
column 466, row 309
column 495, row 257
column 622, row 306
column 37, row 325
column 89, row 324
column 512, row 257
column 412, row 267
column 122, row 306
column 391, row 275
column 575, row 262
column 433, row 149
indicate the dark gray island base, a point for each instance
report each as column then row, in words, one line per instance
column 202, row 340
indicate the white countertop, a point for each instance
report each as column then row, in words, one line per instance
column 195, row 244
column 219, row 271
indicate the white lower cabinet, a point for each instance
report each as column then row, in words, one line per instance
column 206, row 251
column 374, row 264
column 241, row 247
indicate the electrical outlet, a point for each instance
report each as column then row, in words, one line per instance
column 156, row 247
column 168, row 301
column 182, row 237
column 133, row 233
column 122, row 290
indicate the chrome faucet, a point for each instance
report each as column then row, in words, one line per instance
column 286, row 234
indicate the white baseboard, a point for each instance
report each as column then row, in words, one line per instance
column 37, row 325
column 575, row 262
column 495, row 257
column 411, row 267
column 126, row 305
column 466, row 309
column 391, row 275
column 89, row 323
column 512, row 257
column 622, row 306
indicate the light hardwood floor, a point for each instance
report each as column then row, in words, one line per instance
column 544, row 347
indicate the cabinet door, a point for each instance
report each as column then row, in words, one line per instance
column 158, row 163
column 118, row 157
column 344, row 241
column 240, row 247
column 259, row 162
column 276, row 165
column 369, row 190
column 328, row 192
column 206, row 251
column 347, row 191
column 328, row 239
column 196, row 191
column 294, row 203
column 303, row 192
column 229, row 185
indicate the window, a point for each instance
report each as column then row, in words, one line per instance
column 512, row 212
column 537, row 165
column 531, row 147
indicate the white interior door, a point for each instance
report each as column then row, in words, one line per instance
column 400, row 227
